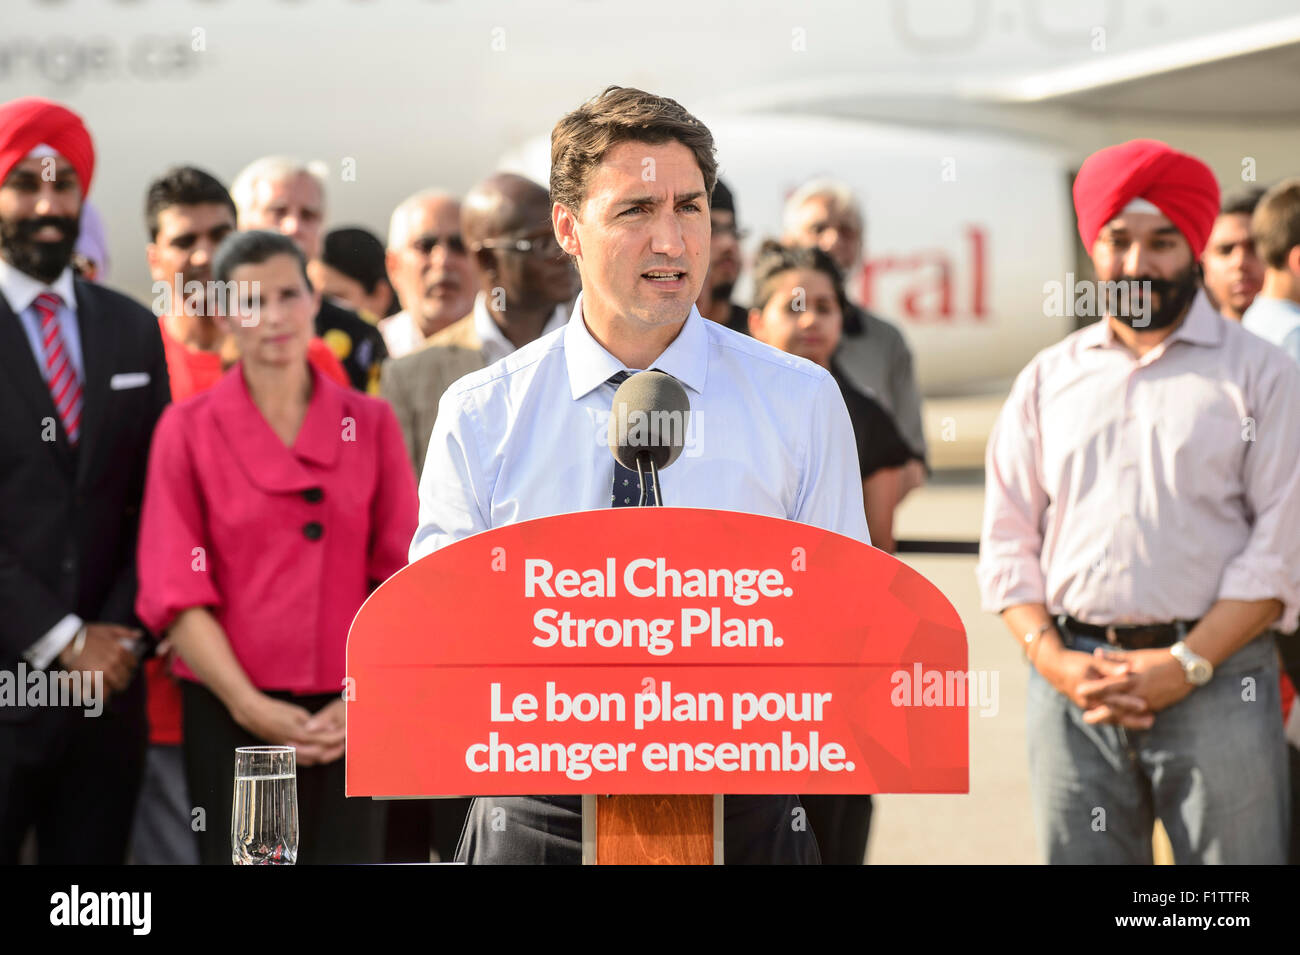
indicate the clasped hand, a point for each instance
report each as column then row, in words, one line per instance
column 1126, row 688
column 319, row 738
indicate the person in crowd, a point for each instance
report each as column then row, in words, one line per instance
column 1231, row 268
column 799, row 307
column 525, row 285
column 1139, row 541
column 288, row 196
column 724, row 263
column 525, row 282
column 641, row 247
column 1275, row 316
column 430, row 269
column 352, row 273
column 873, row 353
column 90, row 259
column 276, row 501
column 83, row 381
column 1275, row 231
column 188, row 212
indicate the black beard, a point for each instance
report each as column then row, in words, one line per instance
column 43, row 261
column 1174, row 294
column 722, row 292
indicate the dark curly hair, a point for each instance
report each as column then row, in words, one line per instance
column 774, row 259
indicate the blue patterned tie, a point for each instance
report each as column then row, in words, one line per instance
column 626, row 489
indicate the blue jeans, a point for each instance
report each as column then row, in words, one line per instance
column 1212, row 768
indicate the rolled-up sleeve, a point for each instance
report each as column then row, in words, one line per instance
column 454, row 491
column 1268, row 567
column 831, row 492
column 1010, row 569
column 174, row 559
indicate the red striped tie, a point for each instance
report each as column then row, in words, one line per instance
column 60, row 373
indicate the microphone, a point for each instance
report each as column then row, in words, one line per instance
column 647, row 428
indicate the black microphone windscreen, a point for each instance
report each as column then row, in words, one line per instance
column 650, row 413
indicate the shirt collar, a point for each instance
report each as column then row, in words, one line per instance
column 269, row 464
column 1201, row 326
column 20, row 289
column 590, row 365
column 489, row 333
column 1097, row 335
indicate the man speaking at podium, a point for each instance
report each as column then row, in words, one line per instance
column 631, row 177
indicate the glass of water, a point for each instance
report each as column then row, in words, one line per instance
column 264, row 820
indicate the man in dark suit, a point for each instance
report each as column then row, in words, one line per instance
column 82, row 382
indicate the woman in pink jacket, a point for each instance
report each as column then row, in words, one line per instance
column 275, row 503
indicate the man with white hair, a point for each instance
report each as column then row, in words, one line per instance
column 430, row 269
column 288, row 196
column 873, row 353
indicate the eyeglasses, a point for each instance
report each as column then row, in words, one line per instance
column 542, row 245
column 425, row 244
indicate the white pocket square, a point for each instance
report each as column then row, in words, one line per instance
column 128, row 379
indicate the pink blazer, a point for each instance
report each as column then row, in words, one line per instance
column 282, row 544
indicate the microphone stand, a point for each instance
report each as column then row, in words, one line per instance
column 645, row 467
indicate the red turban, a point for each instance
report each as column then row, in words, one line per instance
column 29, row 122
column 1179, row 185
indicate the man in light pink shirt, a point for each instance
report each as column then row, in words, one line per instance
column 1140, row 538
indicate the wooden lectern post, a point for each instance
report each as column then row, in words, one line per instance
column 652, row 830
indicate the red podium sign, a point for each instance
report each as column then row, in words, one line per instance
column 656, row 650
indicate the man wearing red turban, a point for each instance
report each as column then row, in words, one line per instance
column 82, row 382
column 1139, row 541
column 31, row 122
column 1129, row 187
column 46, row 142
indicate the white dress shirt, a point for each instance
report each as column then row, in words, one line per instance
column 526, row 437
column 1126, row 490
column 401, row 337
column 493, row 341
column 1276, row 320
column 20, row 291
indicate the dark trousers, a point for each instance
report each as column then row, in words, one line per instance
column 331, row 828
column 547, row 830
column 841, row 824
column 74, row 778
column 416, row 825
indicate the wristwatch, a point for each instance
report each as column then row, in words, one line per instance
column 1196, row 668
